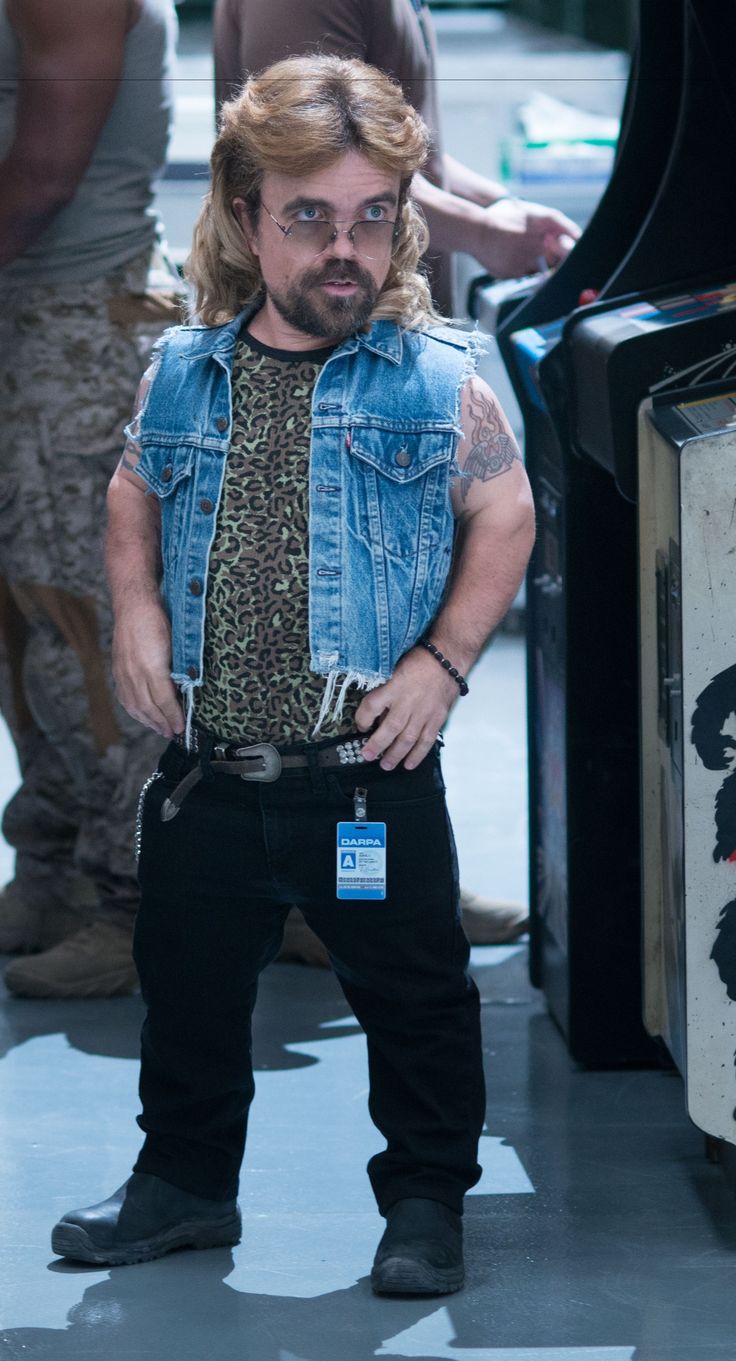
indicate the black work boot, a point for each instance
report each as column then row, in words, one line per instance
column 421, row 1252
column 146, row 1218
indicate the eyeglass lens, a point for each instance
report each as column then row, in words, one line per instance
column 370, row 239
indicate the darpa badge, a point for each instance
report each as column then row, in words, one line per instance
column 361, row 860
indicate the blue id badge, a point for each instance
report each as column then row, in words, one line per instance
column 361, row 860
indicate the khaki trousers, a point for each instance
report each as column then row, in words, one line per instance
column 70, row 361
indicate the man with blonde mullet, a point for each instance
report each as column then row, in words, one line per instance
column 337, row 508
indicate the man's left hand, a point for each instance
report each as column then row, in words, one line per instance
column 412, row 708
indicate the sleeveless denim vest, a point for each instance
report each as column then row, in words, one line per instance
column 385, row 429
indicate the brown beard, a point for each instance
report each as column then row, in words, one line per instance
column 329, row 318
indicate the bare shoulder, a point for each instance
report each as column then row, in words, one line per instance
column 132, row 450
column 488, row 448
column 129, row 460
column 127, row 469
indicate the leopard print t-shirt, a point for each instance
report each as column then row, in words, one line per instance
column 257, row 684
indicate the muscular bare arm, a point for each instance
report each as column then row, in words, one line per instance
column 508, row 237
column 141, row 653
column 493, row 506
column 71, row 58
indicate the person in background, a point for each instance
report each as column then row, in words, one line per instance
column 465, row 211
column 341, row 517
column 85, row 109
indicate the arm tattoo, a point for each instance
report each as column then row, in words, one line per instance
column 493, row 450
column 131, row 456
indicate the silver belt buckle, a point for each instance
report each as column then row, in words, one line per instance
column 271, row 762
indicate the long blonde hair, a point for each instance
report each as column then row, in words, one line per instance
column 296, row 117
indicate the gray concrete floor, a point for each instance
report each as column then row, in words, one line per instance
column 598, row 1232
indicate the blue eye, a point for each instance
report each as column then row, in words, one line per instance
column 308, row 214
column 374, row 212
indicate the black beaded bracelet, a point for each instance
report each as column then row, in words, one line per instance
column 451, row 670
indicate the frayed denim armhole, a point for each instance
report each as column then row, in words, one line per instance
column 132, row 430
column 477, row 345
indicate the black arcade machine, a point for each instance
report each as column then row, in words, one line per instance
column 659, row 256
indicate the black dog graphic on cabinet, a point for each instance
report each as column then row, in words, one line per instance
column 717, row 750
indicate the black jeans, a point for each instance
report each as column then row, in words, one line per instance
column 216, row 884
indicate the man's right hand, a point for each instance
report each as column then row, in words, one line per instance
column 141, row 661
column 516, row 237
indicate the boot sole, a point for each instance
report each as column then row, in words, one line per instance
column 72, row 1241
column 402, row 1276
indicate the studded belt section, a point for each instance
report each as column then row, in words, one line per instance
column 262, row 762
column 269, row 761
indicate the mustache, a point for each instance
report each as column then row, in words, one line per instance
column 342, row 273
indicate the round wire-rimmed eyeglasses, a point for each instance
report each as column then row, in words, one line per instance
column 371, row 238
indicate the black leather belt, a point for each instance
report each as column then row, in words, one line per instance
column 265, row 763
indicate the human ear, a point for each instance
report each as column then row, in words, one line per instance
column 243, row 217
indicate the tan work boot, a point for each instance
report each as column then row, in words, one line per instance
column 487, row 922
column 95, row 962
column 300, row 945
column 29, row 922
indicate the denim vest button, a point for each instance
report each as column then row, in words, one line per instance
column 195, row 586
column 167, row 473
column 403, row 458
column 221, row 422
column 192, row 673
column 207, row 506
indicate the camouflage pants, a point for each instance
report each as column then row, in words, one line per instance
column 71, row 358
